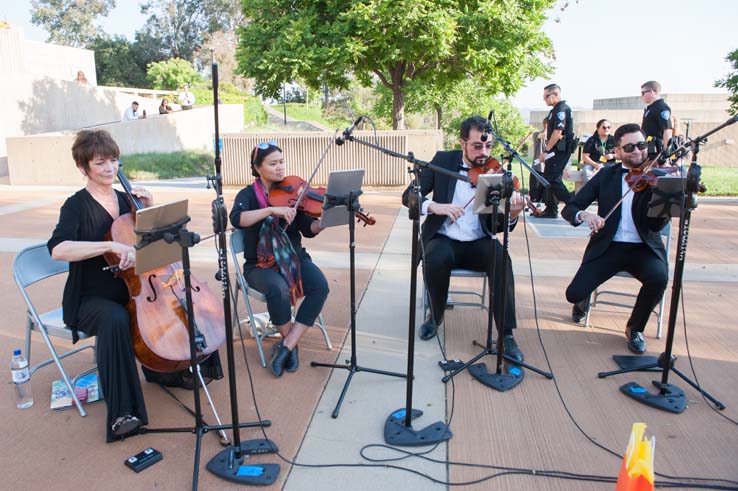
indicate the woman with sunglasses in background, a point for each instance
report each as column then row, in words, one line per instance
column 629, row 240
column 598, row 150
column 276, row 263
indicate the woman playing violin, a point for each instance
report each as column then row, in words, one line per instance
column 94, row 299
column 276, row 263
column 628, row 240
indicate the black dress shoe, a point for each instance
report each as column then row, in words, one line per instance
column 637, row 343
column 579, row 312
column 511, row 348
column 280, row 354
column 293, row 362
column 549, row 213
column 428, row 329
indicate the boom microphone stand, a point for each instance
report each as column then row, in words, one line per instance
column 228, row 463
column 670, row 397
column 398, row 429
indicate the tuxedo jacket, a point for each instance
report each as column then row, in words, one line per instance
column 443, row 187
column 606, row 188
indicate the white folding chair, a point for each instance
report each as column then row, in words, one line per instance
column 451, row 301
column 594, row 298
column 261, row 325
column 30, row 266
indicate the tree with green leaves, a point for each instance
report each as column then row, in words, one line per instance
column 118, row 62
column 171, row 74
column 730, row 82
column 400, row 43
column 70, row 22
column 178, row 28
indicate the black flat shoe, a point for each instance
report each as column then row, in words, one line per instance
column 637, row 343
column 293, row 362
column 125, row 425
column 579, row 312
column 280, row 354
column 428, row 329
column 511, row 348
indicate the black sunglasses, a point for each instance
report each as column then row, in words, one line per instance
column 629, row 147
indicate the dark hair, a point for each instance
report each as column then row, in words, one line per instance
column 89, row 143
column 475, row 122
column 626, row 129
column 599, row 123
column 652, row 85
column 134, row 102
column 258, row 155
column 552, row 87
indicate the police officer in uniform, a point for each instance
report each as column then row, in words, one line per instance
column 656, row 125
column 560, row 141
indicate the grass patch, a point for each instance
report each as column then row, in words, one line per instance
column 302, row 112
column 152, row 166
column 720, row 181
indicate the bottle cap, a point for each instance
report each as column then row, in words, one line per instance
column 16, row 352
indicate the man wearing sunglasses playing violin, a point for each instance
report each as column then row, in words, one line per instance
column 628, row 240
column 454, row 237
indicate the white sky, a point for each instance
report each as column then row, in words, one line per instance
column 604, row 48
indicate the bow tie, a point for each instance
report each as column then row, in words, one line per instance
column 464, row 168
column 624, row 170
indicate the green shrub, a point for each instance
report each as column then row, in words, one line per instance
column 153, row 166
column 253, row 112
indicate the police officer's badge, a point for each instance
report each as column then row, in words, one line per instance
column 665, row 115
column 562, row 115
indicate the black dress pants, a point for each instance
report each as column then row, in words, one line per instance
column 552, row 172
column 116, row 361
column 638, row 260
column 443, row 254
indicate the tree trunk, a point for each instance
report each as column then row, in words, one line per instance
column 439, row 116
column 398, row 107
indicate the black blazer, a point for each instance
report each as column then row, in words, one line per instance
column 606, row 188
column 443, row 188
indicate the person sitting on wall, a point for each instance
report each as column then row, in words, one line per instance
column 165, row 108
column 81, row 79
column 132, row 113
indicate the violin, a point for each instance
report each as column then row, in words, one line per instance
column 294, row 192
column 491, row 166
column 639, row 179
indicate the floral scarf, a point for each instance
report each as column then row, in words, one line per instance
column 275, row 251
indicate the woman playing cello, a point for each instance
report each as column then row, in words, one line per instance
column 94, row 300
column 276, row 263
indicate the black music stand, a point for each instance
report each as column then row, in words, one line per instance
column 167, row 226
column 340, row 207
column 491, row 188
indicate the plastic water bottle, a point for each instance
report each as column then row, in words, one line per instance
column 22, row 380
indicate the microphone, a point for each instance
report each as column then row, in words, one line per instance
column 487, row 127
column 347, row 132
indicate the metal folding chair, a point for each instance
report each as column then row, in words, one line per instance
column 451, row 301
column 261, row 325
column 31, row 265
column 594, row 298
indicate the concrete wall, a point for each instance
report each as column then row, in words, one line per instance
column 47, row 158
column 677, row 102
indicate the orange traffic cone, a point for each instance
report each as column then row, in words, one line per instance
column 636, row 471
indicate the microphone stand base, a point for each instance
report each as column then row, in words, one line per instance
column 227, row 467
column 669, row 398
column 396, row 433
column 498, row 381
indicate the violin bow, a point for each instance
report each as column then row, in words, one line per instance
column 315, row 171
column 647, row 166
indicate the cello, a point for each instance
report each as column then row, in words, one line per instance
column 157, row 307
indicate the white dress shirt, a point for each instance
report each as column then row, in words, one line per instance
column 626, row 227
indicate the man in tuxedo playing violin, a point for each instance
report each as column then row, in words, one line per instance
column 628, row 240
column 454, row 237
